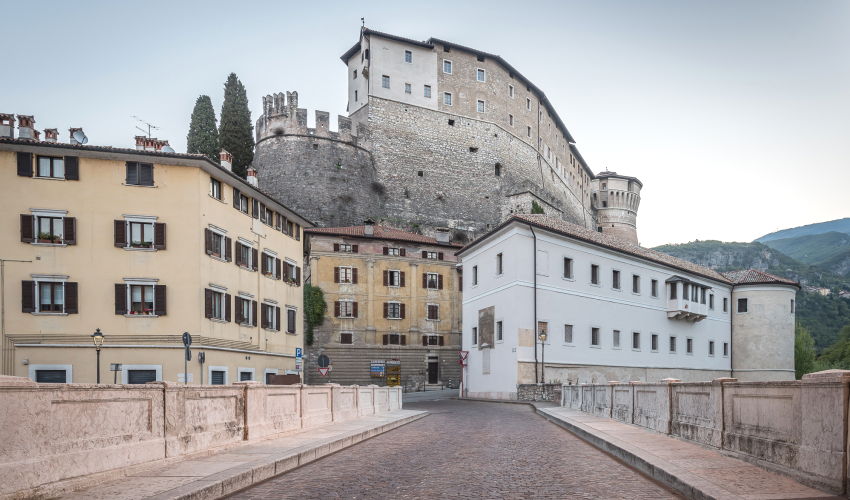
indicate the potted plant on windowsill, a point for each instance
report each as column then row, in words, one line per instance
column 48, row 238
column 141, row 244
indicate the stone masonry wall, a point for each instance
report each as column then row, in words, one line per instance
column 539, row 392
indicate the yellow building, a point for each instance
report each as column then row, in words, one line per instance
column 143, row 245
column 393, row 298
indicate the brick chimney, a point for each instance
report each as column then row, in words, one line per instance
column 7, row 125
column 226, row 160
column 51, row 135
column 252, row 177
column 25, row 127
column 71, row 134
column 443, row 235
column 140, row 142
column 369, row 227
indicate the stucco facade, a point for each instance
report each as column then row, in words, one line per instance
column 766, row 350
column 143, row 290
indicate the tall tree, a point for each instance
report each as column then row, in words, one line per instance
column 804, row 352
column 203, row 134
column 236, row 132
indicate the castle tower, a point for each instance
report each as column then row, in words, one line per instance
column 616, row 199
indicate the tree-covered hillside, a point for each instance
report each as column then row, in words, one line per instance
column 813, row 249
column 838, row 225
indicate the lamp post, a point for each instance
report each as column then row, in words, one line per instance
column 97, row 338
column 542, row 337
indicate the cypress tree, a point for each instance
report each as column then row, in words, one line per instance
column 203, row 134
column 236, row 132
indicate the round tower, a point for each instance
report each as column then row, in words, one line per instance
column 616, row 199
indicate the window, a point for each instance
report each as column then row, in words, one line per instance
column 48, row 228
column 345, row 274
column 215, row 188
column 217, row 245
column 217, row 305
column 792, row 305
column 742, row 305
column 672, row 344
column 480, row 75
column 673, row 288
column 511, row 120
column 394, row 339
column 711, row 301
column 594, row 336
column 635, row 340
column 51, row 296
column 528, row 103
column 240, row 201
column 499, row 269
column 408, row 56
column 354, row 73
column 447, row 66
column 498, row 171
column 568, row 334
column 654, row 288
column 393, row 310
column 635, row 283
column 385, row 81
column 615, row 279
column 432, row 340
column 474, row 275
column 393, row 278
column 726, row 348
column 141, row 234
column 346, row 338
column 510, row 91
column 218, row 377
column 654, row 342
column 51, row 167
column 528, row 131
column 141, row 299
column 293, row 273
column 433, row 312
column 427, row 91
column 689, row 346
column 479, row 106
column 447, row 98
column 684, row 291
column 432, row 281
column 725, row 304
column 594, row 274
column 474, row 335
column 702, row 296
column 616, row 338
column 139, row 174
column 432, row 255
column 246, row 375
column 270, row 317
column 355, row 95
column 408, row 88
column 345, row 309
column 711, row 348
column 500, row 335
column 245, row 256
column 344, row 248
column 51, row 374
column 290, row 320
column 245, row 309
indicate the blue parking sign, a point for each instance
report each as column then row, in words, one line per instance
column 298, row 352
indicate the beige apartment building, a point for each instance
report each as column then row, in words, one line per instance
column 393, row 300
column 143, row 245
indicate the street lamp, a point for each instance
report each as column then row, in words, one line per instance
column 542, row 337
column 97, row 338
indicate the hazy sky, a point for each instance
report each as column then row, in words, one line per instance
column 735, row 115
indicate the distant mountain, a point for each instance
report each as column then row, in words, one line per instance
column 838, row 226
column 814, row 249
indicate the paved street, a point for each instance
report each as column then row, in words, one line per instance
column 466, row 449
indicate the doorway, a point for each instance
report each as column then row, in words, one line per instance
column 433, row 369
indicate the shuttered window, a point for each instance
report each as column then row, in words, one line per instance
column 139, row 174
column 217, row 377
column 42, row 227
column 290, row 320
column 140, row 299
column 245, row 376
column 49, row 297
column 141, row 376
column 51, row 376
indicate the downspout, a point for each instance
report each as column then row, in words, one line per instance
column 731, row 332
column 534, row 273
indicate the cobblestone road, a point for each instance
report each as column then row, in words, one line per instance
column 465, row 449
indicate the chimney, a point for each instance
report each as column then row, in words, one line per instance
column 369, row 227
column 71, row 132
column 443, row 235
column 7, row 125
column 25, row 127
column 140, row 142
column 51, row 135
column 252, row 177
column 226, row 160
column 37, row 134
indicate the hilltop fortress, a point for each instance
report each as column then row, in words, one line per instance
column 438, row 136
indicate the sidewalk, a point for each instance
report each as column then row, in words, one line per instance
column 693, row 470
column 234, row 468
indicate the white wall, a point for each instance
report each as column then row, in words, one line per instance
column 584, row 305
column 764, row 335
column 387, row 58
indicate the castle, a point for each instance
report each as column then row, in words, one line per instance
column 438, row 136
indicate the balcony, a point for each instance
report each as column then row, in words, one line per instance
column 686, row 310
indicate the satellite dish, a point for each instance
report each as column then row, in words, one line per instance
column 167, row 149
column 80, row 137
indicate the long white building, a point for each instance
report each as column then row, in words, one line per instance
column 612, row 310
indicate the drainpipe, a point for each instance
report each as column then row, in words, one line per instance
column 534, row 273
column 731, row 332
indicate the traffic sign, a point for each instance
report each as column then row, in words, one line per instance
column 324, row 361
column 464, row 355
column 323, row 371
column 298, row 352
column 187, row 339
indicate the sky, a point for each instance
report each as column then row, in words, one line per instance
column 735, row 115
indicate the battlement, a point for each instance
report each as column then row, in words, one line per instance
column 282, row 116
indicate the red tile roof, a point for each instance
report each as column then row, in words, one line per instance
column 381, row 233
column 754, row 277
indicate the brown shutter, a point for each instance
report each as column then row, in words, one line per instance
column 72, row 305
column 386, row 278
column 439, row 282
column 207, row 241
column 159, row 236
column 336, row 309
column 401, row 278
column 263, row 266
column 228, row 249
column 442, row 341
column 424, row 254
column 402, row 252
column 25, row 164
column 424, row 280
column 227, row 307
column 386, row 310
column 120, row 298
column 207, row 303
column 336, row 274
column 402, row 311
column 277, row 318
column 27, row 230
column 238, row 249
column 237, row 302
column 72, row 168
column 277, row 269
column 27, row 296
column 354, row 309
column 120, row 234
column 439, row 255
column 355, row 249
column 403, row 339
column 424, row 340
column 254, row 313
column 159, row 299
column 297, row 232
column 336, row 247
column 354, row 275
column 236, row 198
column 254, row 259
column 70, row 230
column 386, row 251
column 263, row 309
column 386, row 339
column 297, row 276
column 255, row 213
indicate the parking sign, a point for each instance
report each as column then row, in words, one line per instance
column 298, row 352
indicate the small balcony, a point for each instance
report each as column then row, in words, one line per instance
column 686, row 310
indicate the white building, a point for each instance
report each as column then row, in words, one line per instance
column 612, row 311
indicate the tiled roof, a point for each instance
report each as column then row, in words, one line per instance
column 754, row 277
column 571, row 230
column 381, row 233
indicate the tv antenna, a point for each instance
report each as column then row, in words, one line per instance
column 150, row 126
